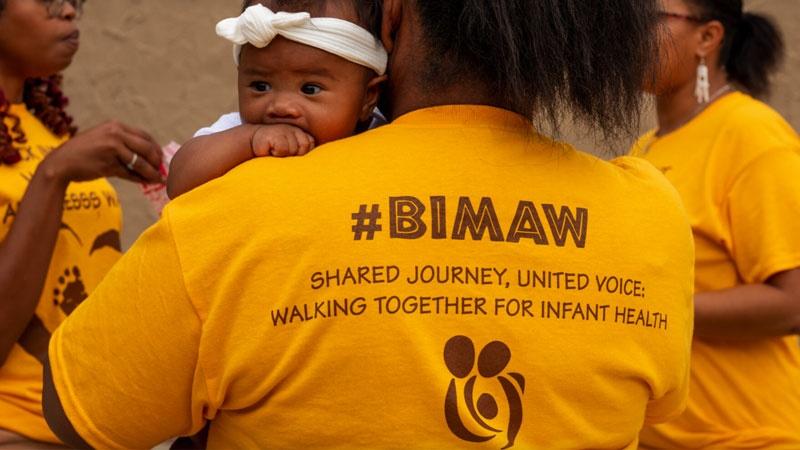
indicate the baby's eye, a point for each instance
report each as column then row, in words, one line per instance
column 311, row 89
column 260, row 86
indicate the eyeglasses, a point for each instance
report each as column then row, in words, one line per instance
column 55, row 8
column 674, row 15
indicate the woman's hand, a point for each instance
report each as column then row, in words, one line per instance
column 27, row 249
column 107, row 150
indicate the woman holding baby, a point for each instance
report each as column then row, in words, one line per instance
column 227, row 330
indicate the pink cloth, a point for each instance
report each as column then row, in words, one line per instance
column 156, row 194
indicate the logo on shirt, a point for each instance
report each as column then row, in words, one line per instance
column 493, row 359
column 412, row 218
column 110, row 239
column 71, row 291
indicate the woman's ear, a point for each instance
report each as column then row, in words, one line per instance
column 712, row 34
column 371, row 97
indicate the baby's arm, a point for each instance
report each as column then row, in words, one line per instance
column 205, row 158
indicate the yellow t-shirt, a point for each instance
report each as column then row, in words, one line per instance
column 449, row 280
column 87, row 246
column 737, row 168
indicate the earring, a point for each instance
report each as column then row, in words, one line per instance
column 701, row 90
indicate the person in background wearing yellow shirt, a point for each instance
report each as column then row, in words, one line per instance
column 453, row 279
column 736, row 164
column 59, row 219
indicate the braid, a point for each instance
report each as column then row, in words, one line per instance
column 45, row 99
column 8, row 154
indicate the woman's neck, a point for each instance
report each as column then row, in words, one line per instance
column 677, row 108
column 12, row 85
column 408, row 91
column 416, row 98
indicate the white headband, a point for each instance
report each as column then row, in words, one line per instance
column 258, row 26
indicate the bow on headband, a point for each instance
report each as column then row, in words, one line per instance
column 258, row 26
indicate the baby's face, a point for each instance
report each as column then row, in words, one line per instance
column 291, row 83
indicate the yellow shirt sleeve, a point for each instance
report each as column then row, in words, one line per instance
column 670, row 398
column 141, row 318
column 762, row 208
column 669, row 394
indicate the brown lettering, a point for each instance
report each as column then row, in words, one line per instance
column 477, row 223
column 406, row 218
column 527, row 224
column 565, row 222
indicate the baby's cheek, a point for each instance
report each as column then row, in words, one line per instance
column 252, row 107
column 333, row 126
column 251, row 112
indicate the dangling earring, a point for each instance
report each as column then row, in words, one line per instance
column 703, row 87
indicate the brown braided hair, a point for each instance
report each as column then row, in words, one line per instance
column 44, row 99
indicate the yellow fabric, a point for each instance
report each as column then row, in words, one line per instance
column 87, row 246
column 197, row 333
column 737, row 168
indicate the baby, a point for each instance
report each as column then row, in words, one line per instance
column 303, row 82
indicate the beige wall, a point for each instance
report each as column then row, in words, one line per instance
column 159, row 65
column 154, row 64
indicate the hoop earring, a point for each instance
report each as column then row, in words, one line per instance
column 702, row 89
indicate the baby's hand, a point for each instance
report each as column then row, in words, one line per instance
column 281, row 140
